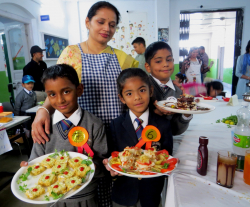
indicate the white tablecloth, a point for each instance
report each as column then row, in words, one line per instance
column 188, row 188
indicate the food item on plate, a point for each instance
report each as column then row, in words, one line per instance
column 35, row 192
column 133, row 160
column 48, row 162
column 62, row 159
column 71, row 182
column 37, row 169
column 58, row 188
column 59, row 168
column 47, row 179
column 66, row 174
column 75, row 162
column 82, row 170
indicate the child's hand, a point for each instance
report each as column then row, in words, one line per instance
column 112, row 172
column 23, row 164
column 161, row 110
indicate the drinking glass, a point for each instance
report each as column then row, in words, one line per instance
column 226, row 164
column 246, row 173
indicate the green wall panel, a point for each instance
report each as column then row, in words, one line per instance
column 227, row 75
column 214, row 70
column 4, row 94
column 176, row 70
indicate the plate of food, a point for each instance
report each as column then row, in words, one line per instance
column 138, row 163
column 49, row 177
column 186, row 104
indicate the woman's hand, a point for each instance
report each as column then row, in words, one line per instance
column 112, row 172
column 42, row 119
column 160, row 111
column 23, row 164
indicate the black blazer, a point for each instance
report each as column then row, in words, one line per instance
column 127, row 191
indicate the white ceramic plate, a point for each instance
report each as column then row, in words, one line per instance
column 33, row 180
column 143, row 176
column 161, row 104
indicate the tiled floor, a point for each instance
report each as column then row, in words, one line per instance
column 10, row 162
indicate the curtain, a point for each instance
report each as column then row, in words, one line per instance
column 184, row 26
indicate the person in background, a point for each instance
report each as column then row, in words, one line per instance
column 204, row 59
column 193, row 67
column 26, row 99
column 180, row 78
column 140, row 47
column 160, row 65
column 243, row 72
column 35, row 68
column 63, row 88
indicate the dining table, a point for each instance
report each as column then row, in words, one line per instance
column 186, row 187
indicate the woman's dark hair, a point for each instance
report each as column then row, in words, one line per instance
column 248, row 47
column 152, row 49
column 103, row 4
column 181, row 76
column 216, row 85
column 60, row 71
column 131, row 73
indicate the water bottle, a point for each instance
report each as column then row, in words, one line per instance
column 241, row 139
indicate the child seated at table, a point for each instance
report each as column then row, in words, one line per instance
column 25, row 99
column 63, row 88
column 160, row 65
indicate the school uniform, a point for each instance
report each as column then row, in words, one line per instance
column 128, row 191
column 58, row 139
column 179, row 123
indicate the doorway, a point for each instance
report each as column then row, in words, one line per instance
column 216, row 32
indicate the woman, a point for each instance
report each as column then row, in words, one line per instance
column 98, row 67
column 192, row 66
column 243, row 72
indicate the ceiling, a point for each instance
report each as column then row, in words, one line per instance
column 208, row 22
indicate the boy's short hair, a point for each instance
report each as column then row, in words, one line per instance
column 152, row 49
column 60, row 71
column 202, row 47
column 139, row 40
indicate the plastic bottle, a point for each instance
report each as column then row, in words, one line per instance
column 241, row 139
column 1, row 107
column 202, row 157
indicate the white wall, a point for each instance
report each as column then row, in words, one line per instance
column 122, row 6
column 176, row 6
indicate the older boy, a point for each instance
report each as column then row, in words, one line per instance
column 160, row 63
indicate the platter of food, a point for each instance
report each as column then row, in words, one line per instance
column 49, row 177
column 138, row 163
column 186, row 104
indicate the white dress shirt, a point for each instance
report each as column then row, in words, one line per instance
column 169, row 83
column 143, row 117
column 27, row 91
column 74, row 118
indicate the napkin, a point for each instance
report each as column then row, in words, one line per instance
column 233, row 100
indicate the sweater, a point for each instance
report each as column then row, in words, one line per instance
column 23, row 102
column 97, row 142
column 178, row 123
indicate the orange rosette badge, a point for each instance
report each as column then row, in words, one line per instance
column 149, row 134
column 78, row 137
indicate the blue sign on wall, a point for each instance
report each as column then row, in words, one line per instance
column 44, row 17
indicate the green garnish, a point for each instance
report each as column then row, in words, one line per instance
column 90, row 171
column 46, row 198
column 87, row 162
column 62, row 171
column 62, row 152
column 228, row 126
column 83, row 180
column 55, row 196
column 89, row 156
column 23, row 188
column 55, row 154
column 218, row 121
column 165, row 166
column 67, row 153
column 124, row 170
column 166, row 156
column 24, row 177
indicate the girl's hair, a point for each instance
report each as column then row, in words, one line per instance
column 153, row 48
column 60, row 71
column 103, row 4
column 131, row 73
column 181, row 76
column 191, row 50
column 216, row 85
column 248, row 47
